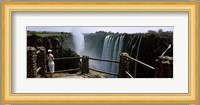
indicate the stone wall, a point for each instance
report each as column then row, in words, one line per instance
column 164, row 67
column 36, row 58
column 41, row 62
column 31, row 62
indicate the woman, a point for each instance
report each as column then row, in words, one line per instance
column 51, row 64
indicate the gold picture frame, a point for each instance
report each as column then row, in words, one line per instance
column 8, row 97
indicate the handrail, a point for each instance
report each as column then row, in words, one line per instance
column 129, row 74
column 67, row 58
column 113, row 61
column 107, row 60
column 38, row 69
column 103, row 71
column 65, row 70
column 142, row 63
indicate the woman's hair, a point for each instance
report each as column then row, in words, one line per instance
column 49, row 51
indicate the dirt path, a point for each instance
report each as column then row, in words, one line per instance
column 91, row 74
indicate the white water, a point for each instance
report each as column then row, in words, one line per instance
column 137, row 54
column 112, row 49
column 78, row 39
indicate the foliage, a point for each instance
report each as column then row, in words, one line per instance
column 46, row 33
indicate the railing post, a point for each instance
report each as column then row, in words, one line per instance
column 164, row 67
column 31, row 62
column 123, row 65
column 41, row 61
column 85, row 64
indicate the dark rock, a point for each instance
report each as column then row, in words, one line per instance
column 151, row 46
column 59, row 50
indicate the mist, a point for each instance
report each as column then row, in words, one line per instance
column 78, row 39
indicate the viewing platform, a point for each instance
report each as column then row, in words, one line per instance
column 38, row 66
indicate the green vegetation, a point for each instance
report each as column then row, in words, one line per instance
column 46, row 34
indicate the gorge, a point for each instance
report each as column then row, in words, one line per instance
column 145, row 47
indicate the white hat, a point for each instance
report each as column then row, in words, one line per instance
column 49, row 50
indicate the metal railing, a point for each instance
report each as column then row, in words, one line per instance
column 101, row 71
column 125, row 62
column 38, row 69
column 129, row 74
column 85, row 65
column 89, row 58
column 65, row 58
column 68, row 70
column 107, row 60
column 142, row 63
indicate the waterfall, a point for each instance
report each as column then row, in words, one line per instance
column 115, row 52
column 105, row 52
column 112, row 48
column 137, row 54
column 109, row 46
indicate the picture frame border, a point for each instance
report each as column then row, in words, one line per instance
column 8, row 7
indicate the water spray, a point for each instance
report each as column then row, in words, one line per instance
column 79, row 42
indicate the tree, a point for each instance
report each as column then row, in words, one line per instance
column 152, row 32
column 160, row 31
column 44, row 32
column 33, row 33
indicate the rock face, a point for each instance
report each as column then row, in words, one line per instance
column 164, row 67
column 94, row 44
column 146, row 48
column 36, row 62
column 31, row 62
column 56, row 43
column 41, row 61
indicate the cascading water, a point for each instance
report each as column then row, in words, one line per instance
column 111, row 50
column 105, row 46
column 137, row 54
column 133, row 49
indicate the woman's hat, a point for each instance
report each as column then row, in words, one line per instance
column 49, row 50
